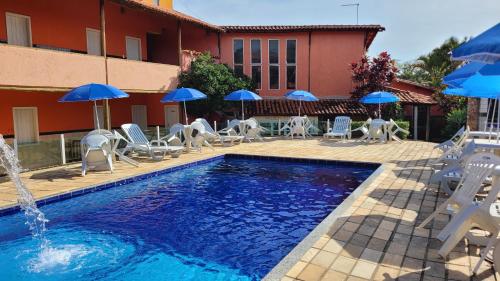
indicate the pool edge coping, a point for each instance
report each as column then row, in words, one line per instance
column 285, row 264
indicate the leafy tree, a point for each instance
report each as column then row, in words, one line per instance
column 213, row 79
column 372, row 74
column 455, row 119
column 430, row 69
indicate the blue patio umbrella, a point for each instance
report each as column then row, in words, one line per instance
column 242, row 95
column 301, row 96
column 457, row 77
column 379, row 97
column 94, row 92
column 483, row 48
column 183, row 95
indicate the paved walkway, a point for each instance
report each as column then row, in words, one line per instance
column 375, row 239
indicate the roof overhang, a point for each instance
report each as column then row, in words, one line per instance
column 134, row 4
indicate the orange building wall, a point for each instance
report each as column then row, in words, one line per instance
column 198, row 39
column 331, row 55
column 54, row 116
column 63, row 24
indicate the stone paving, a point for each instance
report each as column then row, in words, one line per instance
column 375, row 239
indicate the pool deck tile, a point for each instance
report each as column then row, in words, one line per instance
column 374, row 239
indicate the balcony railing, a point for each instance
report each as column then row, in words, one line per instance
column 50, row 69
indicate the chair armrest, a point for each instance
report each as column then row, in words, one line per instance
column 158, row 143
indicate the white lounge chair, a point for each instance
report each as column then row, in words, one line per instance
column 394, row 129
column 140, row 144
column 229, row 137
column 476, row 214
column 233, row 128
column 364, row 129
column 457, row 137
column 341, row 128
column 477, row 168
column 96, row 153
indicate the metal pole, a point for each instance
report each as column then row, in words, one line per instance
column 327, row 125
column 158, row 132
column 487, row 114
column 106, row 111
column 242, row 111
column 185, row 112
column 279, row 127
column 63, row 150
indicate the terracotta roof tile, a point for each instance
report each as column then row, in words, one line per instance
column 282, row 107
column 138, row 4
column 412, row 97
column 295, row 28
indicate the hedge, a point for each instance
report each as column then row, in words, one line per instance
column 403, row 124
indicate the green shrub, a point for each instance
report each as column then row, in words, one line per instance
column 401, row 123
column 455, row 119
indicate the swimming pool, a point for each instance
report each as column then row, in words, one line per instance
column 230, row 218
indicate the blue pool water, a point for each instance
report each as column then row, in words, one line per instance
column 228, row 219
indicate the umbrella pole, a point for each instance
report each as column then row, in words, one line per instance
column 492, row 117
column 242, row 111
column 185, row 112
column 498, row 118
column 300, row 105
column 487, row 115
column 379, row 110
column 97, row 116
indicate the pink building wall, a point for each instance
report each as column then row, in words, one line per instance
column 331, row 53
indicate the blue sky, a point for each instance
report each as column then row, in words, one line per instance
column 413, row 27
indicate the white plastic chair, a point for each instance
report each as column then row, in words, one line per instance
column 286, row 128
column 297, row 127
column 309, row 126
column 96, row 153
column 252, row 130
column 377, row 130
column 364, row 129
column 341, row 128
column 139, row 143
column 477, row 168
column 394, row 129
column 202, row 136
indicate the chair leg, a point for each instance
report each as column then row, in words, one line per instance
column 441, row 208
column 454, row 239
column 491, row 241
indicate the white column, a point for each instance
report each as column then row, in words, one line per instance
column 63, row 150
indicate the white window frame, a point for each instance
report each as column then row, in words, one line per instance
column 29, row 26
column 243, row 52
column 291, row 64
column 252, row 64
column 37, row 129
column 140, row 46
column 86, row 38
column 273, row 64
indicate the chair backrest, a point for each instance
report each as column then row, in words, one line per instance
column 198, row 126
column 233, row 123
column 100, row 132
column 477, row 168
column 135, row 134
column 95, row 141
column 376, row 126
column 252, row 123
column 341, row 124
column 458, row 135
column 176, row 128
column 206, row 124
column 298, row 121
